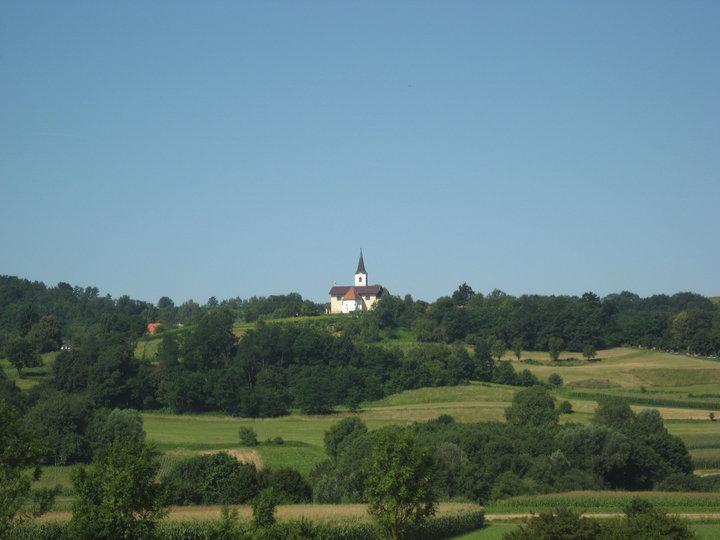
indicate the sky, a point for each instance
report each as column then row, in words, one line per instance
column 190, row 149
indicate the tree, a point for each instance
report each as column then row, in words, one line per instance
column 532, row 406
column 263, row 507
column 58, row 427
column 117, row 497
column 589, row 352
column 289, row 486
column 248, row 437
column 485, row 365
column 555, row 380
column 346, row 430
column 45, row 335
column 109, row 427
column 399, row 482
column 497, row 349
column 463, row 294
column 517, row 345
column 21, row 354
column 644, row 522
column 17, row 470
column 613, row 412
column 555, row 346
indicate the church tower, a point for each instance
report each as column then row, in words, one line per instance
column 360, row 273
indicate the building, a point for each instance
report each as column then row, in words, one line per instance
column 358, row 297
column 153, row 327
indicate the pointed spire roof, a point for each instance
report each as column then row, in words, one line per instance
column 361, row 265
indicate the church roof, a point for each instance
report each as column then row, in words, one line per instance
column 350, row 295
column 361, row 265
column 341, row 290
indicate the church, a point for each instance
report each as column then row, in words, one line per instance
column 358, row 297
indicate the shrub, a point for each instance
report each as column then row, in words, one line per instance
column 532, row 406
column 248, row 437
column 263, row 507
column 108, row 427
column 345, row 430
column 288, row 485
column 565, row 407
column 562, row 523
column 555, row 380
column 211, row 479
column 117, row 497
column 399, row 482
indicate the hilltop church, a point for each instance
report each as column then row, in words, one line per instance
column 357, row 297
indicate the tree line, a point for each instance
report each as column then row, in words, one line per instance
column 684, row 322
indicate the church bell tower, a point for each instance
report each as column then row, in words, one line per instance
column 361, row 273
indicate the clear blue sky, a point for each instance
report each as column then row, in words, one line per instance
column 218, row 148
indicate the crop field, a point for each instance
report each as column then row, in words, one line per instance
column 608, row 502
column 626, row 368
column 313, row 512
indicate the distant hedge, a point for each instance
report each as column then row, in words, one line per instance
column 433, row 529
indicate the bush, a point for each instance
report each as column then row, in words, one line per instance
column 117, row 497
column 211, row 479
column 562, row 523
column 109, row 427
column 565, row 407
column 263, row 507
column 248, row 437
column 288, row 485
column 555, row 380
column 345, row 430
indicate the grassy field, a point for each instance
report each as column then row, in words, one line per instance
column 495, row 531
column 607, row 502
column 30, row 376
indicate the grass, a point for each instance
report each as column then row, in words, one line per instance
column 607, row 502
column 491, row 531
column 496, row 531
column 30, row 376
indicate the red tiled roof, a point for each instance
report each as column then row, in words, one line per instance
column 350, row 295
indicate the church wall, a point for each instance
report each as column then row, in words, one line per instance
column 335, row 305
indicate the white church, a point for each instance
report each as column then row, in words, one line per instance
column 358, row 297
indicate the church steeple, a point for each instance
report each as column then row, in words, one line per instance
column 361, row 265
column 361, row 273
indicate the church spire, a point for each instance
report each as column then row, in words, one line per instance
column 361, row 273
column 361, row 265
